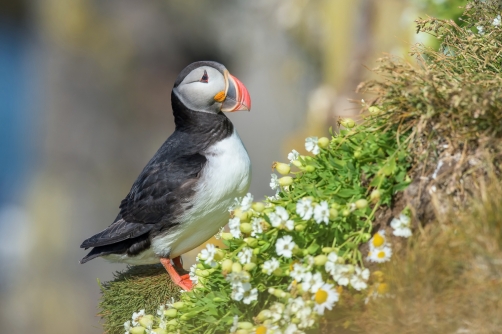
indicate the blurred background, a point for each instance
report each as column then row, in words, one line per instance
column 85, row 102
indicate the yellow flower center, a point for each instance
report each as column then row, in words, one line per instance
column 321, row 296
column 383, row 288
column 261, row 330
column 378, row 240
column 381, row 254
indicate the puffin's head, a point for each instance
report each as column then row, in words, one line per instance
column 207, row 86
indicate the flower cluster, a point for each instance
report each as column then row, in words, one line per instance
column 291, row 256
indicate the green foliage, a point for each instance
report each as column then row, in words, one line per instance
column 354, row 163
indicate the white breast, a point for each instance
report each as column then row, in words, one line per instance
column 226, row 175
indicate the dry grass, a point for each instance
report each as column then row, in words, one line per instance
column 447, row 280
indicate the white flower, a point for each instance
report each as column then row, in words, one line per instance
column 127, row 326
column 359, row 278
column 292, row 329
column 163, row 323
column 276, row 311
column 378, row 240
column 271, row 265
column 325, row 298
column 136, row 317
column 160, row 311
column 235, row 324
column 236, row 279
column 284, row 246
column 306, row 318
column 298, row 272
column 380, row 255
column 304, row 208
column 295, row 305
column 280, row 219
column 321, row 213
column 311, row 145
column 293, row 155
column 497, row 21
column 250, row 295
column 246, row 202
column 401, row 226
column 193, row 275
column 238, row 290
column 207, row 255
column 342, row 274
column 235, row 227
column 218, row 235
column 481, row 30
column 312, row 282
column 256, row 225
column 331, row 263
column 274, row 182
column 309, row 262
column 245, row 255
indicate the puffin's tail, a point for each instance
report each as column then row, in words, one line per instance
column 130, row 247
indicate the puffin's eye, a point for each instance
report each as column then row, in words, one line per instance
column 205, row 77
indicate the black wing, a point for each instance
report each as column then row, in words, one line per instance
column 156, row 197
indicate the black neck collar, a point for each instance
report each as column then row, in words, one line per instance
column 217, row 126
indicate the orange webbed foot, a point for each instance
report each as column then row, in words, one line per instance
column 183, row 281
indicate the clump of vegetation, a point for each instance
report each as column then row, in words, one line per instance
column 139, row 287
column 431, row 138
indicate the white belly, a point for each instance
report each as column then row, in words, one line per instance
column 226, row 175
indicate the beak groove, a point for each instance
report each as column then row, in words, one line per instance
column 237, row 97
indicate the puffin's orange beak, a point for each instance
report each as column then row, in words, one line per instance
column 237, row 96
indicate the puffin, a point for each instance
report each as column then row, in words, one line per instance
column 182, row 196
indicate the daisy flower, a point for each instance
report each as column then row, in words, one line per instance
column 274, row 182
column 497, row 21
column 284, row 246
column 293, row 155
column 306, row 317
column 331, row 263
column 311, row 145
column 359, row 278
column 246, row 202
column 280, row 219
column 237, row 278
column 245, row 255
column 234, row 224
column 304, row 208
column 291, row 329
column 136, row 317
column 321, row 213
column 239, row 290
column 325, row 298
column 235, row 324
column 312, row 282
column 193, row 275
column 298, row 272
column 127, row 326
column 378, row 240
column 295, row 305
column 250, row 296
column 342, row 274
column 401, row 226
column 276, row 311
column 207, row 255
column 256, row 225
column 380, row 255
column 271, row 265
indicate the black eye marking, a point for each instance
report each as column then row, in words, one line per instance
column 205, row 77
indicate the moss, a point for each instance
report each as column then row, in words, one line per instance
column 138, row 287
